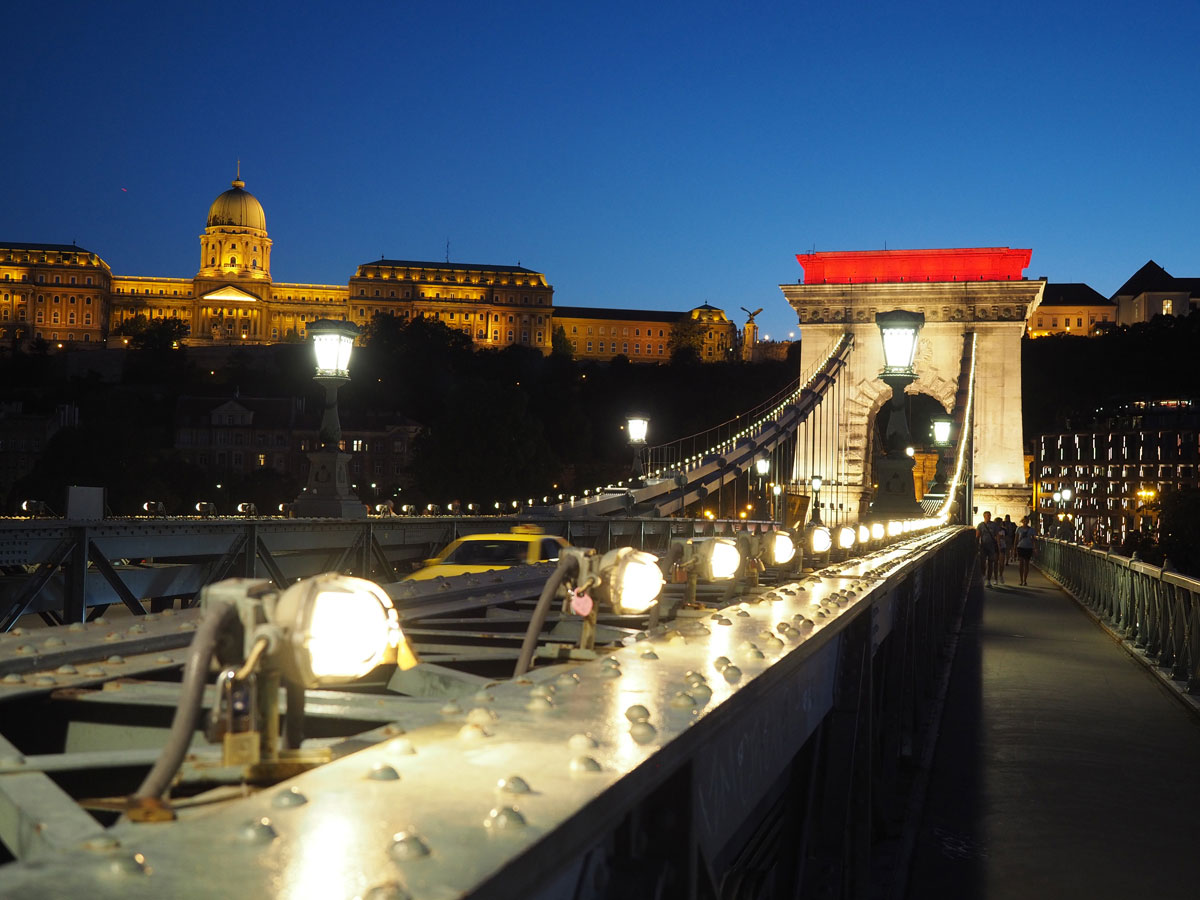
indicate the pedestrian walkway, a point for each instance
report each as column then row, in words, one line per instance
column 1063, row 768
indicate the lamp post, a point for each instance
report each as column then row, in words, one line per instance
column 328, row 492
column 762, row 466
column 896, row 497
column 775, row 510
column 941, row 426
column 638, row 426
column 816, row 482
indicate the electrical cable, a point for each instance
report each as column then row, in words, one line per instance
column 568, row 565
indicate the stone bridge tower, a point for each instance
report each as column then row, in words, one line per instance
column 979, row 290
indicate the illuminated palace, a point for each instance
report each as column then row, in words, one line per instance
column 66, row 294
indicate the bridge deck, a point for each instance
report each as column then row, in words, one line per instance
column 1062, row 769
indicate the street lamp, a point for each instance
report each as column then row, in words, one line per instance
column 816, row 482
column 941, row 426
column 328, row 492
column 638, row 426
column 896, row 497
column 762, row 466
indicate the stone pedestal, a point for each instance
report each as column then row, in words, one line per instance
column 1002, row 500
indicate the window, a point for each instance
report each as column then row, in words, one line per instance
column 1079, row 322
column 625, row 347
column 262, row 459
column 589, row 346
column 233, row 260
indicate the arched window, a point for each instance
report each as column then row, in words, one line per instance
column 213, row 261
column 233, row 260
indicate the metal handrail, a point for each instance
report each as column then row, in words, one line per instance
column 1153, row 607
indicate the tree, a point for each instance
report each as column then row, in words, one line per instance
column 560, row 344
column 687, row 341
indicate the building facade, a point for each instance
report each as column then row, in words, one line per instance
column 1152, row 291
column 1117, row 468
column 63, row 293
column 1072, row 308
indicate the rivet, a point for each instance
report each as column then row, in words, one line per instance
column 67, row 669
column 755, row 654
column 582, row 741
column 694, row 677
column 44, row 679
column 581, row 764
column 92, row 670
column 408, row 845
column 682, row 700
column 167, row 613
column 643, row 732
column 482, row 697
column 715, row 616
column 701, row 629
column 542, row 690
column 649, row 654
column 637, row 713
column 745, row 614
column 513, row 784
column 610, row 672
column 257, row 831
column 138, row 628
column 17, row 632
column 567, row 680
column 609, row 663
column 724, row 621
column 720, row 663
column 115, row 660
column 187, row 626
column 13, row 678
column 288, row 799
column 402, row 747
column 383, row 772
column 732, row 673
column 390, row 891
column 481, row 715
column 76, row 627
column 25, row 648
column 133, row 864
column 100, row 620
column 54, row 642
column 504, row 818
column 163, row 659
column 539, row 704
column 700, row 691
column 450, row 708
column 472, row 732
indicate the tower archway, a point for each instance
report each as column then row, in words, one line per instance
column 978, row 291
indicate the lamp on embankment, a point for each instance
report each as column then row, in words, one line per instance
column 328, row 492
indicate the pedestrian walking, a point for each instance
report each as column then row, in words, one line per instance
column 1025, row 546
column 985, row 533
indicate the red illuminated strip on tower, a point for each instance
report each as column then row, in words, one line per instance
column 881, row 266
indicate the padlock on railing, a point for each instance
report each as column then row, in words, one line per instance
column 234, row 720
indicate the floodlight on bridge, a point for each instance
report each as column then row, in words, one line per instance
column 154, row 508
column 329, row 629
column 820, row 540
column 206, row 509
column 864, row 534
column 845, row 537
column 629, row 580
column 781, row 549
column 877, row 531
column 247, row 509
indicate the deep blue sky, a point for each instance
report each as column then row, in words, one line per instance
column 640, row 154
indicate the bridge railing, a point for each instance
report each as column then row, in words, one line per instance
column 1154, row 608
column 759, row 754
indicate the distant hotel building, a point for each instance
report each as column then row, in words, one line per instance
column 64, row 293
column 1117, row 467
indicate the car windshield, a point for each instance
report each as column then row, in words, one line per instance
column 488, row 553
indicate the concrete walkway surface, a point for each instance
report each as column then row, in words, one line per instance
column 1063, row 768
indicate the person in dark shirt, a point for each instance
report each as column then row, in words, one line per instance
column 988, row 546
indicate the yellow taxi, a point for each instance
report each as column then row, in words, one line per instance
column 524, row 545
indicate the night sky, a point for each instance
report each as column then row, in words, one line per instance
column 641, row 155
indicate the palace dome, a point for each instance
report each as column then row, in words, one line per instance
column 709, row 314
column 237, row 207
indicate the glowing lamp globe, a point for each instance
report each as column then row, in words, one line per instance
column 899, row 331
column 762, row 466
column 638, row 427
column 333, row 342
column 941, row 430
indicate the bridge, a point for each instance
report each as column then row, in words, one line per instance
column 808, row 730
